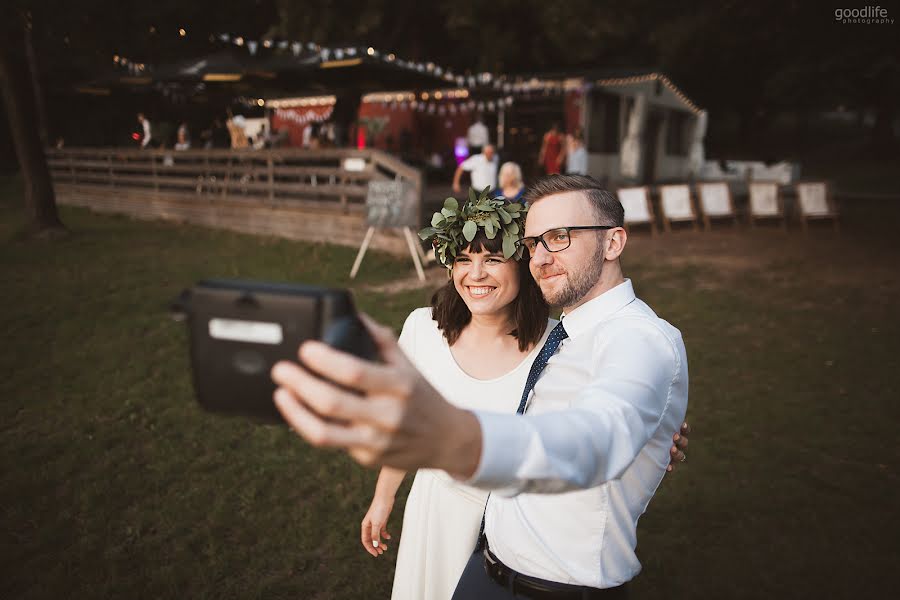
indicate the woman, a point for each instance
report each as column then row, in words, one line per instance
column 490, row 307
column 475, row 345
column 551, row 155
column 576, row 154
column 510, row 180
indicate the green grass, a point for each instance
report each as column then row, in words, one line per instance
column 116, row 485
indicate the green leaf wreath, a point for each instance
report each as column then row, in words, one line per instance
column 454, row 227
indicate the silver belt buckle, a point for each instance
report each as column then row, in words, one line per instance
column 489, row 558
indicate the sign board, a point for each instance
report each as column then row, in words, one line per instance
column 354, row 164
column 392, row 204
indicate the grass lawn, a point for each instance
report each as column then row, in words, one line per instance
column 116, row 485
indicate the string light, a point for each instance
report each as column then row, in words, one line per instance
column 500, row 83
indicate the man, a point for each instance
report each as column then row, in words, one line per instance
column 609, row 386
column 477, row 136
column 481, row 167
column 146, row 137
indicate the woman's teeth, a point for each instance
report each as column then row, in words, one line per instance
column 480, row 291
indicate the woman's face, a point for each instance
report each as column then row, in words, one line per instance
column 486, row 281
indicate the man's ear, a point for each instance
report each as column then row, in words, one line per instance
column 615, row 243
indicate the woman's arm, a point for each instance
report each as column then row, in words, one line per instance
column 374, row 524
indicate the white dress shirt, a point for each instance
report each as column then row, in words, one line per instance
column 482, row 171
column 571, row 478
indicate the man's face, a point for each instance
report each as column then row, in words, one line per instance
column 489, row 152
column 565, row 277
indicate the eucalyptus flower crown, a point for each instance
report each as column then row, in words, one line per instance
column 454, row 227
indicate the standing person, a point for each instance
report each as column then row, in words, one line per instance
column 511, row 186
column 550, row 157
column 576, row 154
column 477, row 136
column 482, row 169
column 491, row 307
column 608, row 385
column 235, row 126
column 147, row 135
column 182, row 138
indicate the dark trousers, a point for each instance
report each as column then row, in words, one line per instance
column 474, row 583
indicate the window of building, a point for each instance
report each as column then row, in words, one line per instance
column 603, row 136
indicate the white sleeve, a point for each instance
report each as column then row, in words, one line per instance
column 469, row 163
column 595, row 440
column 146, row 139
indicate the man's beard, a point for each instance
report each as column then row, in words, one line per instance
column 578, row 284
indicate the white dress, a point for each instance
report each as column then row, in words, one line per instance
column 443, row 516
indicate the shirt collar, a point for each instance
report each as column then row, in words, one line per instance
column 599, row 309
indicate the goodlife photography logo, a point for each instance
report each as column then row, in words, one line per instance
column 867, row 15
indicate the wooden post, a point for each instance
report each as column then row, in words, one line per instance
column 227, row 177
column 362, row 252
column 155, row 177
column 271, row 166
column 412, row 252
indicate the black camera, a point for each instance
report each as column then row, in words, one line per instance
column 239, row 329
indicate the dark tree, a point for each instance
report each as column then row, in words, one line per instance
column 18, row 96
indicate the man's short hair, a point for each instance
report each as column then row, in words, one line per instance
column 606, row 206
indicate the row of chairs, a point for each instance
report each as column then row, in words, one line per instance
column 715, row 202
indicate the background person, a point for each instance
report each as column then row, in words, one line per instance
column 477, row 136
column 576, row 154
column 147, row 135
column 482, row 169
column 550, row 156
column 510, row 179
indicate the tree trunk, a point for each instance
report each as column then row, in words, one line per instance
column 40, row 201
column 39, row 105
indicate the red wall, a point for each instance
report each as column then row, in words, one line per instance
column 428, row 132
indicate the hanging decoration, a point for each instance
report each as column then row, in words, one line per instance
column 455, row 99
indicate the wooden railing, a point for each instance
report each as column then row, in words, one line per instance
column 303, row 194
column 328, row 177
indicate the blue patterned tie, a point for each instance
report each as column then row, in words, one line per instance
column 550, row 346
column 537, row 367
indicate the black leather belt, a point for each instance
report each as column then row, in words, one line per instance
column 541, row 589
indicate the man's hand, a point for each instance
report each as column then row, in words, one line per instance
column 676, row 453
column 381, row 413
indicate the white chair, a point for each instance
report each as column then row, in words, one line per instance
column 765, row 202
column 716, row 203
column 676, row 205
column 814, row 202
column 637, row 205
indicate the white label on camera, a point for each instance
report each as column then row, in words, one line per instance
column 245, row 331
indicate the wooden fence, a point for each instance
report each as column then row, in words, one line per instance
column 313, row 195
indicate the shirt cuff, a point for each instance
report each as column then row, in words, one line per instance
column 504, row 442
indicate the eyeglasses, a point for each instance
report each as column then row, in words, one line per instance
column 556, row 240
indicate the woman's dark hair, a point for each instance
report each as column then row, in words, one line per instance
column 529, row 310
